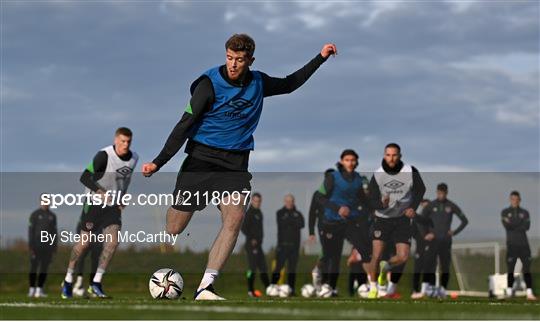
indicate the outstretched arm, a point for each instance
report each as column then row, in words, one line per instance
column 201, row 100
column 278, row 86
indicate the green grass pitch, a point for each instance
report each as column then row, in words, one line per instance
column 127, row 283
column 137, row 306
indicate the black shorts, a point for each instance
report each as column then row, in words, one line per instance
column 397, row 230
column 199, row 181
column 97, row 218
column 356, row 231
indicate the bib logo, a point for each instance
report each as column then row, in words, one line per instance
column 394, row 184
column 239, row 103
column 124, row 171
column 238, row 106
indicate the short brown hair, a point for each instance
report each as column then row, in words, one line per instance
column 123, row 131
column 241, row 42
column 393, row 146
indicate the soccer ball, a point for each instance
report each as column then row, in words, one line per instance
column 325, row 291
column 363, row 291
column 166, row 284
column 308, row 290
column 285, row 290
column 272, row 290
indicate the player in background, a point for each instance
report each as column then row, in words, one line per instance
column 357, row 274
column 441, row 211
column 345, row 217
column 94, row 250
column 516, row 222
column 290, row 222
column 110, row 171
column 252, row 228
column 423, row 238
column 396, row 190
column 41, row 253
column 218, row 123
column 316, row 216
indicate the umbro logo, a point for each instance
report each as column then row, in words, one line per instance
column 394, row 184
column 124, row 171
column 239, row 103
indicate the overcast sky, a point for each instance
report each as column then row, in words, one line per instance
column 456, row 83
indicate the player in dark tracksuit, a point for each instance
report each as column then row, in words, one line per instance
column 516, row 222
column 423, row 236
column 41, row 253
column 252, row 228
column 343, row 197
column 316, row 216
column 289, row 223
column 357, row 275
column 441, row 211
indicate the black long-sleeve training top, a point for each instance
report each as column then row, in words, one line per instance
column 516, row 222
column 441, row 213
column 316, row 213
column 41, row 220
column 252, row 227
column 202, row 100
column 290, row 222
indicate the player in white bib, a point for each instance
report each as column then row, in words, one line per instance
column 396, row 190
column 110, row 170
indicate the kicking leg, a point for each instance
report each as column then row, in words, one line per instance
column 232, row 216
column 177, row 220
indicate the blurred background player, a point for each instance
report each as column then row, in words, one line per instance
column 252, row 228
column 220, row 119
column 109, row 171
column 316, row 216
column 290, row 222
column 441, row 211
column 344, row 201
column 423, row 237
column 516, row 222
column 41, row 253
column 396, row 190
column 94, row 250
column 357, row 274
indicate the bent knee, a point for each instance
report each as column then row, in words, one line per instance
column 174, row 229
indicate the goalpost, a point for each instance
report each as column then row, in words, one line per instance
column 477, row 268
column 473, row 265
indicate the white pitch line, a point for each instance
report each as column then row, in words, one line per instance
column 356, row 313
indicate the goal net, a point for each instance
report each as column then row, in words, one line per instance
column 473, row 264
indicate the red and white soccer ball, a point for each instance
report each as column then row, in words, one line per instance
column 166, row 284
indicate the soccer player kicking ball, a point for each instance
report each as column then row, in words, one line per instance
column 109, row 171
column 396, row 190
column 219, row 121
